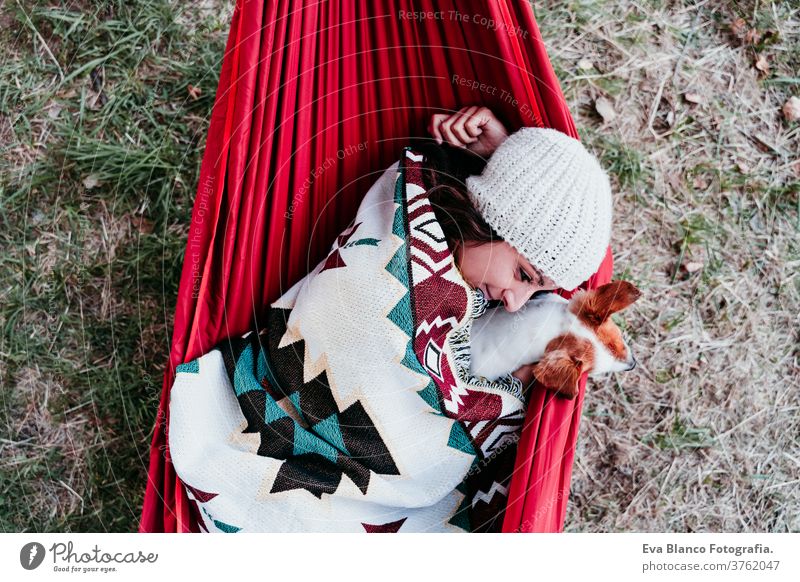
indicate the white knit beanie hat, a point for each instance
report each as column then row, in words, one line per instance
column 547, row 196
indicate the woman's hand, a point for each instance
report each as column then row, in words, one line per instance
column 474, row 128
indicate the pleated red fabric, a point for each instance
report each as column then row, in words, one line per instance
column 315, row 100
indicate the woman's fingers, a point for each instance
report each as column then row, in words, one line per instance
column 452, row 128
column 474, row 125
column 460, row 122
column 446, row 128
column 433, row 127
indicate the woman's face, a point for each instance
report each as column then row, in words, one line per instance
column 501, row 272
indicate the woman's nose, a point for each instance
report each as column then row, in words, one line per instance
column 513, row 300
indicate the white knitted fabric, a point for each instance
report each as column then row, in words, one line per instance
column 548, row 197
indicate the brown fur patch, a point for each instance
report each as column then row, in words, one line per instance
column 565, row 359
column 594, row 307
column 611, row 337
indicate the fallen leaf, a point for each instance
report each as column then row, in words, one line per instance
column 142, row 224
column 194, row 92
column 762, row 65
column 605, row 108
column 91, row 181
column 694, row 98
column 738, row 26
column 95, row 101
column 693, row 267
column 756, row 223
column 752, row 36
column 53, row 110
column 674, row 180
column 791, row 109
column 585, row 64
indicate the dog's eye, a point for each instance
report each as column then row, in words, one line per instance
column 524, row 276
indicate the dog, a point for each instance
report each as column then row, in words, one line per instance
column 564, row 338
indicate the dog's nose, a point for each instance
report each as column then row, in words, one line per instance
column 632, row 365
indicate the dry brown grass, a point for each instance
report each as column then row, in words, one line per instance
column 705, row 434
column 61, row 444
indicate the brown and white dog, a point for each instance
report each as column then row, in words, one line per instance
column 564, row 337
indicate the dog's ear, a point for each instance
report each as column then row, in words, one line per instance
column 596, row 306
column 564, row 360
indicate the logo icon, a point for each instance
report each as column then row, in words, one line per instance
column 31, row 555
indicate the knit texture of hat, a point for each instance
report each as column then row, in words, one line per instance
column 549, row 198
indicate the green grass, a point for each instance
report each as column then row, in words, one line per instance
column 101, row 148
column 681, row 436
column 619, row 159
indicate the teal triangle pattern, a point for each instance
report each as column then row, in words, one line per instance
column 459, row 439
column 430, row 394
column 330, row 430
column 272, row 411
column 400, row 314
column 305, row 442
column 461, row 516
column 243, row 378
column 192, row 367
column 221, row 525
column 397, row 265
column 373, row 242
column 226, row 528
column 410, row 360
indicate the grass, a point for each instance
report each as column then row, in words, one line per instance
column 101, row 143
column 680, row 436
column 101, row 147
column 699, row 437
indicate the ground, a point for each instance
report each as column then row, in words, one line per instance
column 103, row 114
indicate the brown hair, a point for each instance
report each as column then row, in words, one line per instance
column 445, row 172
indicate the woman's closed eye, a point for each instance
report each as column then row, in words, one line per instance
column 526, row 278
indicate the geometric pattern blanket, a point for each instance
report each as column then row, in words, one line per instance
column 354, row 409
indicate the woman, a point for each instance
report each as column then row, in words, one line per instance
column 543, row 193
column 355, row 408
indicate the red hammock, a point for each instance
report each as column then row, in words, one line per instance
column 315, row 100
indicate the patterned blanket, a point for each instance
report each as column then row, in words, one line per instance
column 354, row 410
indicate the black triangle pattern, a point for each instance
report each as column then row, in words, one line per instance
column 307, row 454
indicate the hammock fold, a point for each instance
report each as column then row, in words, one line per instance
column 315, row 100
